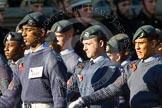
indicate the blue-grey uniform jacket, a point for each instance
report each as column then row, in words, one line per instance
column 71, row 59
column 5, row 74
column 39, row 77
column 144, row 79
column 90, row 77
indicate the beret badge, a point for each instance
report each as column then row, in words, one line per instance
column 30, row 22
column 86, row 34
column 9, row 37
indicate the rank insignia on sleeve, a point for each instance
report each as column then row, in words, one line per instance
column 21, row 68
column 133, row 66
column 80, row 77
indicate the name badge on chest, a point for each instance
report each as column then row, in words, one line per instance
column 35, row 72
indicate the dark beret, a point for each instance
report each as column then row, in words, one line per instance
column 92, row 32
column 36, row 19
column 145, row 31
column 62, row 26
column 13, row 36
column 118, row 43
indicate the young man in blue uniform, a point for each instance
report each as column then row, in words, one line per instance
column 143, row 76
column 118, row 50
column 14, row 48
column 40, row 76
column 64, row 33
column 99, row 71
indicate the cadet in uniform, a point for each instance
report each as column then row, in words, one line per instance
column 99, row 71
column 40, row 76
column 118, row 50
column 147, row 16
column 14, row 48
column 143, row 76
column 64, row 33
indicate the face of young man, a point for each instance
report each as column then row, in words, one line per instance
column 124, row 8
column 32, row 36
column 13, row 49
column 92, row 47
column 144, row 48
column 62, row 38
column 150, row 6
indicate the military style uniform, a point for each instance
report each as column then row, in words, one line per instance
column 70, row 58
column 142, row 76
column 94, row 74
column 39, row 77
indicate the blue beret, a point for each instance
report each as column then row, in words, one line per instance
column 36, row 19
column 13, row 36
column 118, row 43
column 92, row 32
column 145, row 31
column 62, row 26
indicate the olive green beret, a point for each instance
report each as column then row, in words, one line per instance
column 36, row 19
column 145, row 31
column 13, row 36
column 118, row 43
column 62, row 26
column 92, row 32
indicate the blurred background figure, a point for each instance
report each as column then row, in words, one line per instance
column 82, row 11
column 52, row 41
column 159, row 46
column 3, row 31
column 126, row 16
column 34, row 5
column 147, row 15
column 14, row 3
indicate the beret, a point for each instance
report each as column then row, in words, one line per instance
column 62, row 26
column 13, row 36
column 145, row 31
